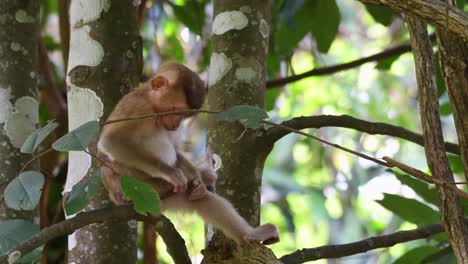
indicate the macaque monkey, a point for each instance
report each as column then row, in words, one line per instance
column 148, row 149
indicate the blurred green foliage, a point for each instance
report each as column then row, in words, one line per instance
column 316, row 195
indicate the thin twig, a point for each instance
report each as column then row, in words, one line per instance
column 101, row 161
column 159, row 115
column 364, row 156
column 395, row 51
column 423, row 176
column 388, row 162
column 35, row 158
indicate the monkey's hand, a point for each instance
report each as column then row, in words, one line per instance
column 178, row 180
column 197, row 189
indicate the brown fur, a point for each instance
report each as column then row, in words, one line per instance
column 148, row 149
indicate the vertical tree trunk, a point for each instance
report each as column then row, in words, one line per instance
column 237, row 76
column 19, row 27
column 451, row 211
column 104, row 63
column 454, row 65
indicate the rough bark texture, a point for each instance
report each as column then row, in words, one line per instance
column 445, row 16
column 237, row 76
column 110, row 68
column 451, row 211
column 19, row 27
column 454, row 65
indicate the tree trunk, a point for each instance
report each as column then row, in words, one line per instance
column 104, row 63
column 237, row 76
column 451, row 211
column 19, row 28
column 454, row 65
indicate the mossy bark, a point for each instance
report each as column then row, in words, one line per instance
column 114, row 31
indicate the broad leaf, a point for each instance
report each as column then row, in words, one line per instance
column 416, row 255
column 192, row 14
column 36, row 137
column 442, row 256
column 381, row 14
column 24, row 192
column 410, row 210
column 77, row 139
column 31, row 257
column 423, row 189
column 12, row 232
column 249, row 116
column 325, row 33
column 80, row 194
column 145, row 198
column 446, row 109
column 295, row 14
column 271, row 95
column 386, row 63
column 456, row 163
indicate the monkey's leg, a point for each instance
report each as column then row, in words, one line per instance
column 220, row 213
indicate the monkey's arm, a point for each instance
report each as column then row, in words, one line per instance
column 132, row 156
column 197, row 187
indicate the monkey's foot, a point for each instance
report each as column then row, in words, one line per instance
column 197, row 190
column 266, row 234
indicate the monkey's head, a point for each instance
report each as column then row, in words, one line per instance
column 176, row 88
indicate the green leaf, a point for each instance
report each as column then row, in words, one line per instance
column 249, row 116
column 446, row 109
column 410, row 210
column 77, row 139
column 12, row 232
column 145, row 198
column 456, row 163
column 386, row 63
column 81, row 192
column 424, row 190
column 32, row 256
column 442, row 256
column 441, row 89
column 381, row 14
column 192, row 15
column 416, row 255
column 324, row 33
column 295, row 14
column 271, row 95
column 36, row 137
column 24, row 192
column 50, row 43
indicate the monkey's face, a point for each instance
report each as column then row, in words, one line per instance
column 172, row 100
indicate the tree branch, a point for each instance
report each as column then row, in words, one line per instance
column 385, row 161
column 374, row 128
column 425, row 177
column 395, row 51
column 450, row 208
column 434, row 11
column 340, row 67
column 174, row 242
column 383, row 241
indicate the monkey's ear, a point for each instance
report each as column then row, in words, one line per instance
column 159, row 82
